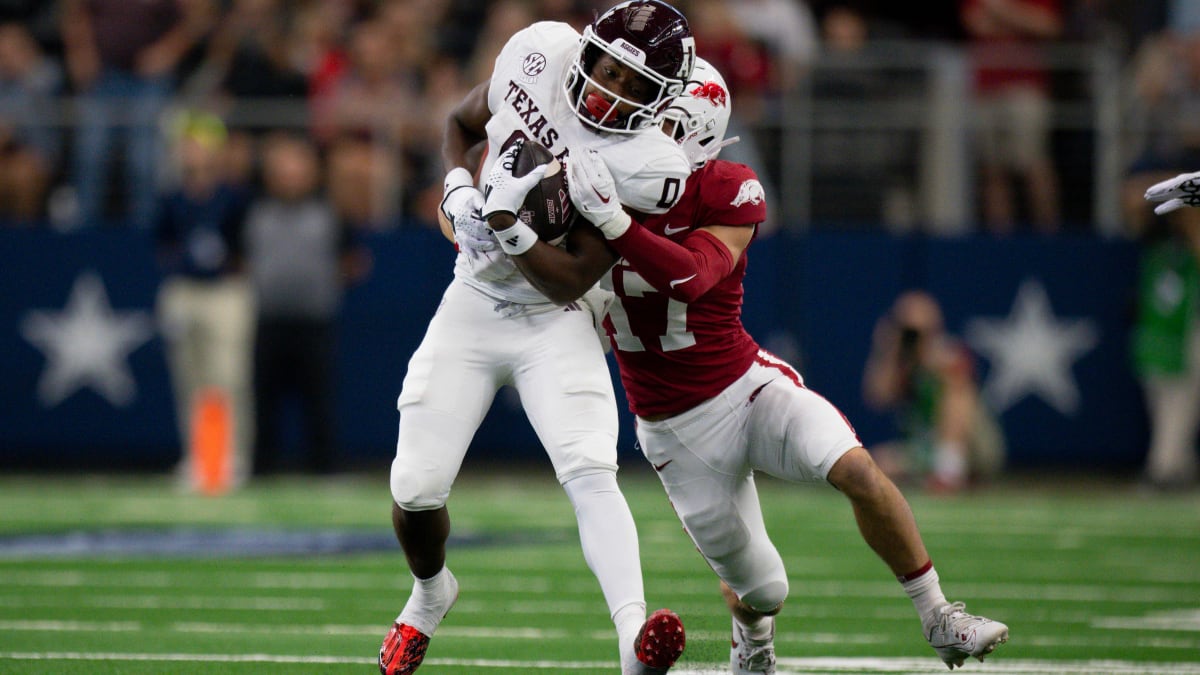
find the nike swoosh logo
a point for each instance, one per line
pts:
(668, 230)
(660, 467)
(676, 282)
(600, 196)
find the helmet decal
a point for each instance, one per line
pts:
(711, 91)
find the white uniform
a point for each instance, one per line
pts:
(488, 333)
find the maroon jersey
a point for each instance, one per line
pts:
(675, 355)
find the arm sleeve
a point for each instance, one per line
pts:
(683, 271)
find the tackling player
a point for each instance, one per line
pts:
(604, 91)
(712, 406)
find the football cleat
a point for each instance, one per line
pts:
(404, 647)
(955, 635)
(747, 656)
(403, 650)
(660, 642)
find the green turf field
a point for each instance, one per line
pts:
(1092, 577)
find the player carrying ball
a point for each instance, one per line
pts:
(604, 91)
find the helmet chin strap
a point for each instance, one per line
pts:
(713, 151)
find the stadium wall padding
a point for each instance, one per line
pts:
(811, 298)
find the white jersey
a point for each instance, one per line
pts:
(526, 100)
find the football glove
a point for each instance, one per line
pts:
(1175, 193)
(598, 300)
(462, 205)
(594, 193)
(483, 255)
(504, 191)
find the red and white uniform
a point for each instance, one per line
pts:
(712, 406)
(675, 355)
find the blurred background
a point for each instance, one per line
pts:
(990, 152)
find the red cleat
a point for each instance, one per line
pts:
(403, 650)
(660, 641)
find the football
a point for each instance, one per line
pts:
(547, 207)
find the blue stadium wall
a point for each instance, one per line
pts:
(1049, 317)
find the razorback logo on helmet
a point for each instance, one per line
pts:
(712, 92)
(749, 192)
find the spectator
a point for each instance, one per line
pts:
(30, 140)
(1166, 79)
(843, 159)
(121, 58)
(363, 123)
(316, 48)
(205, 305)
(248, 61)
(299, 257)
(1013, 108)
(927, 377)
(1166, 336)
(746, 40)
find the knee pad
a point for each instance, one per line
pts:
(768, 598)
(416, 488)
(740, 553)
(429, 452)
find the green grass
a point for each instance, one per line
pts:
(1091, 577)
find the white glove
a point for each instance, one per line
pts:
(594, 193)
(1175, 193)
(483, 255)
(462, 203)
(598, 300)
(504, 191)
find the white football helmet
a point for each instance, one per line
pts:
(653, 39)
(698, 118)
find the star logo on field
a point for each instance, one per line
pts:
(1031, 352)
(86, 345)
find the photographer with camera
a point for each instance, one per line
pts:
(927, 378)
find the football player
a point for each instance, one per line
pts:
(712, 406)
(604, 91)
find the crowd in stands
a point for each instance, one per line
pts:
(89, 89)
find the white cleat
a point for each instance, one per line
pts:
(746, 656)
(955, 635)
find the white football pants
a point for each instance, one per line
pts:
(551, 357)
(706, 458)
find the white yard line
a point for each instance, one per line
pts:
(809, 666)
(1137, 639)
(523, 585)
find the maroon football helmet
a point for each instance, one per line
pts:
(653, 39)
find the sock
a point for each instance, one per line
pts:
(427, 603)
(922, 585)
(760, 629)
(609, 539)
(629, 620)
